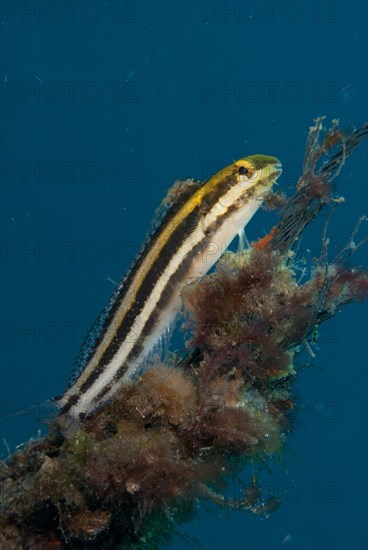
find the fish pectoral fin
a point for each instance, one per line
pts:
(243, 242)
(208, 219)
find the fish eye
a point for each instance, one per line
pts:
(243, 170)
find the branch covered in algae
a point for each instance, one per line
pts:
(183, 428)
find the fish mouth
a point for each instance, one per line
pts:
(275, 172)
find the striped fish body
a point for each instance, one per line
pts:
(195, 231)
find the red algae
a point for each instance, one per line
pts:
(136, 467)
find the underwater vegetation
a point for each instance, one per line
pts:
(136, 467)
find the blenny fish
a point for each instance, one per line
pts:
(200, 221)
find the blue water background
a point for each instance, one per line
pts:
(131, 96)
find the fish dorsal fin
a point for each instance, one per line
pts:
(181, 187)
(178, 193)
(90, 340)
(181, 190)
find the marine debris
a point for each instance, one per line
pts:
(136, 468)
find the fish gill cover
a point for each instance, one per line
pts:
(181, 431)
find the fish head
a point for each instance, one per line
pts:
(257, 173)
